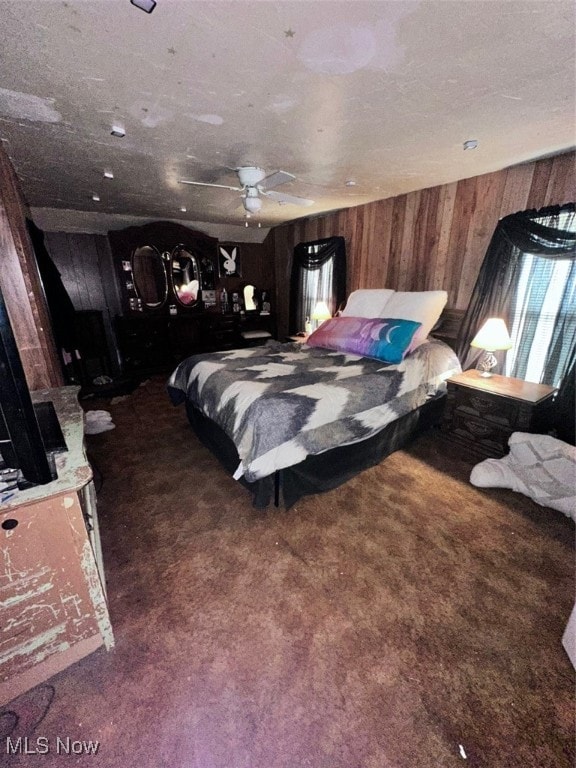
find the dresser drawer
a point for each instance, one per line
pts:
(499, 410)
(481, 436)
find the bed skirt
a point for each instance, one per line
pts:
(324, 471)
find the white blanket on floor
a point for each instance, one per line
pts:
(539, 466)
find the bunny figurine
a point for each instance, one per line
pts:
(229, 260)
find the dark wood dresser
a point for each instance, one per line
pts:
(481, 413)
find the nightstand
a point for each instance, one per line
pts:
(481, 413)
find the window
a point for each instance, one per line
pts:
(318, 274)
(543, 301)
(315, 285)
(528, 278)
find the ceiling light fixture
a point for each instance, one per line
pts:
(96, 198)
(118, 131)
(144, 5)
(470, 144)
(252, 204)
(183, 209)
(108, 175)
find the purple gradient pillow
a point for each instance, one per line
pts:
(382, 338)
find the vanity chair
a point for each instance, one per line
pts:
(253, 333)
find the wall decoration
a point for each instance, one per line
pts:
(209, 298)
(208, 280)
(229, 260)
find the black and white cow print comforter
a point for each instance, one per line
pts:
(279, 403)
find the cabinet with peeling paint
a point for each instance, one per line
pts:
(53, 608)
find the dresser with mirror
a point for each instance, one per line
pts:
(173, 296)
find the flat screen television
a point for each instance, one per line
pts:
(29, 433)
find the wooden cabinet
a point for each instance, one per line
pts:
(482, 413)
(158, 327)
(53, 608)
(155, 343)
(144, 343)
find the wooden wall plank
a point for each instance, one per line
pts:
(406, 272)
(517, 189)
(444, 217)
(398, 214)
(381, 242)
(463, 209)
(562, 180)
(539, 184)
(489, 190)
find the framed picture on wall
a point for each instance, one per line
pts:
(207, 273)
(229, 260)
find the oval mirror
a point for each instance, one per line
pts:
(185, 274)
(149, 276)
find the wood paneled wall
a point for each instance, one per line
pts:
(86, 267)
(87, 270)
(22, 289)
(431, 239)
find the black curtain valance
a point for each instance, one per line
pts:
(524, 231)
(314, 254)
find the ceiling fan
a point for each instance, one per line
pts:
(254, 184)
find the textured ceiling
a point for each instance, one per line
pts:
(379, 93)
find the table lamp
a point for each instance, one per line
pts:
(320, 313)
(492, 337)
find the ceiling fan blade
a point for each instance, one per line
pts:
(280, 197)
(275, 179)
(206, 184)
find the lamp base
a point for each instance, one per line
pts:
(487, 363)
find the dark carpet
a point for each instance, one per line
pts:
(404, 620)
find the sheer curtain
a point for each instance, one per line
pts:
(528, 278)
(318, 274)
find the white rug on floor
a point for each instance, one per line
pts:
(97, 421)
(539, 466)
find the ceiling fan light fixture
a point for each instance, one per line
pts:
(250, 175)
(252, 204)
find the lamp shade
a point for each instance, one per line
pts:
(492, 336)
(321, 311)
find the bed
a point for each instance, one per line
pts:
(288, 419)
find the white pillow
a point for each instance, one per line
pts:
(422, 306)
(367, 302)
